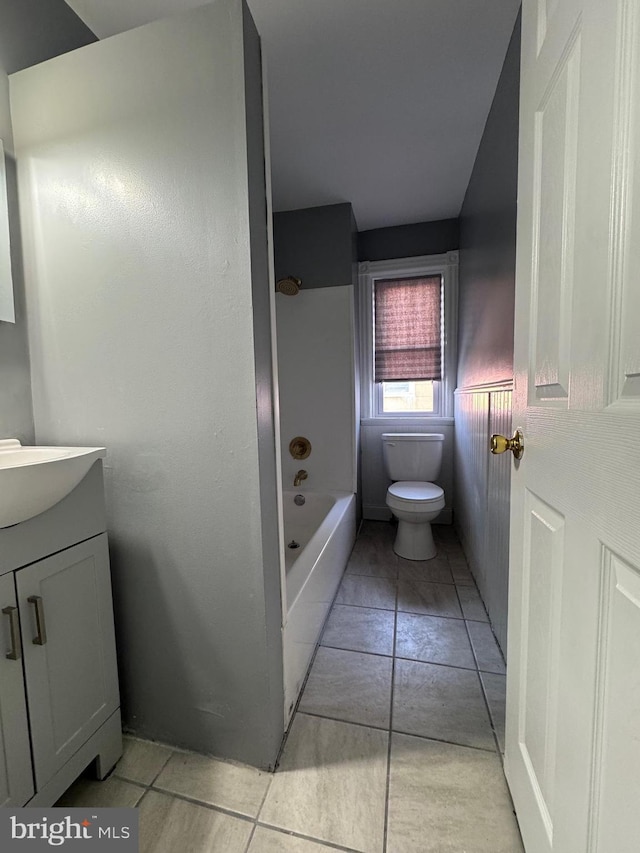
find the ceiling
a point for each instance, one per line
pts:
(378, 102)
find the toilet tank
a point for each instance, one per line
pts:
(412, 455)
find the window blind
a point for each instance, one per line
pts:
(408, 329)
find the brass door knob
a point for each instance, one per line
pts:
(499, 444)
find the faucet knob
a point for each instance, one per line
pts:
(300, 476)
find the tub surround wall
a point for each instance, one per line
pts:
(485, 333)
(316, 382)
(142, 194)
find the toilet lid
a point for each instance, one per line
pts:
(416, 491)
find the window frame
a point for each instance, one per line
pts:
(369, 272)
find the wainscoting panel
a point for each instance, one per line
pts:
(482, 495)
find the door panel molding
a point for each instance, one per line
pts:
(624, 354)
(541, 608)
(616, 751)
(554, 154)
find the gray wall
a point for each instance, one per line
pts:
(16, 415)
(485, 365)
(30, 32)
(408, 241)
(488, 239)
(165, 324)
(315, 245)
(262, 306)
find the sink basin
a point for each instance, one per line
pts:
(33, 479)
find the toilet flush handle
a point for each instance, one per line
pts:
(500, 444)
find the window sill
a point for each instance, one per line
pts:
(403, 420)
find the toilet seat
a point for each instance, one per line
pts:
(416, 495)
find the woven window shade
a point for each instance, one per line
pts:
(408, 329)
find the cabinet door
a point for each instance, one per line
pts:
(69, 651)
(16, 778)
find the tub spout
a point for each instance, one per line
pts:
(300, 476)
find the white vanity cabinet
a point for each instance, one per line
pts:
(59, 698)
(16, 779)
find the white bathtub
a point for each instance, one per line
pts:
(325, 528)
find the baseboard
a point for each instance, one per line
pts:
(383, 513)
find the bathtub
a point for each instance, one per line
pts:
(325, 529)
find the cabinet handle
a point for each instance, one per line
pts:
(14, 627)
(41, 639)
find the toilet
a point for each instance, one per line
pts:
(413, 460)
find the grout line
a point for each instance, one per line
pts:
(138, 804)
(485, 749)
(155, 778)
(342, 720)
(357, 651)
(210, 806)
(128, 781)
(385, 831)
(494, 728)
(267, 789)
(482, 690)
(250, 839)
(331, 844)
(404, 657)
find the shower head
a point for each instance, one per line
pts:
(290, 286)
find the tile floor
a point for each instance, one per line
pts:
(394, 748)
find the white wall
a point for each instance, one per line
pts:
(317, 385)
(375, 481)
(149, 332)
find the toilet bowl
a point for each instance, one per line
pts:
(412, 460)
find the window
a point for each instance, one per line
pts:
(407, 313)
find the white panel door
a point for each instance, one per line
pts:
(573, 707)
(69, 651)
(16, 778)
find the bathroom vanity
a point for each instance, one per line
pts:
(59, 697)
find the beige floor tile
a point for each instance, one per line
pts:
(460, 570)
(169, 825)
(272, 841)
(495, 686)
(441, 702)
(373, 558)
(486, 648)
(430, 599)
(142, 760)
(433, 639)
(349, 686)
(360, 629)
(110, 794)
(448, 799)
(219, 783)
(331, 784)
(425, 571)
(367, 592)
(383, 532)
(472, 606)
